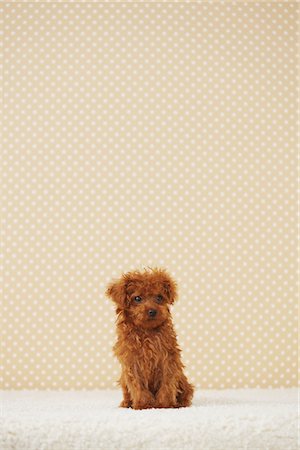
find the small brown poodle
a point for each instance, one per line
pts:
(152, 372)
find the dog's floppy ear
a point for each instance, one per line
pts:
(169, 285)
(170, 288)
(116, 290)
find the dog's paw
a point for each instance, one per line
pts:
(125, 404)
(147, 401)
(143, 405)
(165, 400)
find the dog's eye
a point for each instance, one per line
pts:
(138, 299)
(159, 298)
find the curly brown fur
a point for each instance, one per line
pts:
(152, 372)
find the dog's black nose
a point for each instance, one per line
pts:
(152, 312)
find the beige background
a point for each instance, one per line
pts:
(139, 134)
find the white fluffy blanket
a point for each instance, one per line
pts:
(90, 420)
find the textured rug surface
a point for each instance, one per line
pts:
(91, 420)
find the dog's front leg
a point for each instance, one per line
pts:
(166, 395)
(142, 398)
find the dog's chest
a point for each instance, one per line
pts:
(150, 346)
(152, 350)
(152, 354)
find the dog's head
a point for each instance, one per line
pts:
(144, 296)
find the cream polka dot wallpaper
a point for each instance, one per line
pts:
(149, 134)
